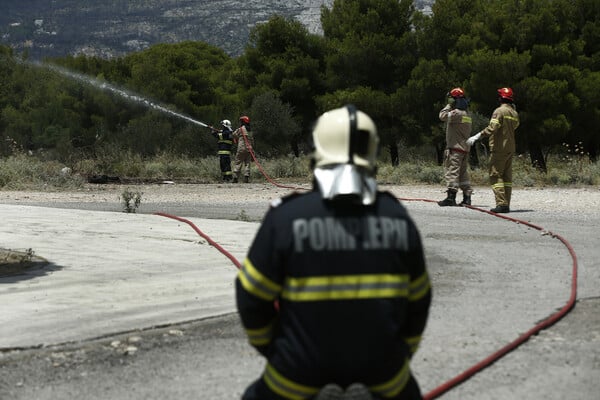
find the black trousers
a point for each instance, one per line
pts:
(225, 164)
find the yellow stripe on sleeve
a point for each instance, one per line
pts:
(256, 283)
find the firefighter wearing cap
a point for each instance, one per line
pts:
(244, 138)
(501, 132)
(224, 143)
(345, 265)
(458, 130)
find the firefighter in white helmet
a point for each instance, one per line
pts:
(224, 143)
(501, 133)
(345, 265)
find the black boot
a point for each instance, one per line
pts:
(450, 200)
(466, 201)
(246, 179)
(330, 392)
(357, 391)
(501, 209)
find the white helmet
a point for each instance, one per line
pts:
(346, 146)
(226, 123)
(346, 136)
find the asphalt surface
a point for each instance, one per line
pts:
(138, 306)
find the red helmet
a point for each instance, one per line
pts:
(457, 92)
(506, 93)
(244, 119)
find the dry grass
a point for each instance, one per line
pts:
(23, 172)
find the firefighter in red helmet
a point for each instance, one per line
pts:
(501, 133)
(245, 143)
(456, 93)
(458, 130)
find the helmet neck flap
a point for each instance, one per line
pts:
(346, 181)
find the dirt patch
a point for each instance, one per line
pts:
(14, 262)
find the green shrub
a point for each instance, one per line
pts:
(22, 171)
(391, 175)
(131, 200)
(430, 174)
(287, 167)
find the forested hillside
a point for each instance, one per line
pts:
(396, 69)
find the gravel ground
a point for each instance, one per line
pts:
(492, 281)
(228, 200)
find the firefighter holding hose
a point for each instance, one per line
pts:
(224, 143)
(245, 143)
(345, 266)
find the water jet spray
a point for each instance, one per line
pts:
(126, 95)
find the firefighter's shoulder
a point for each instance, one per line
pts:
(391, 198)
(389, 195)
(281, 200)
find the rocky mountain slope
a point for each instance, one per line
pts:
(55, 28)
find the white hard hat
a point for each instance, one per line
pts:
(346, 136)
(226, 123)
(346, 146)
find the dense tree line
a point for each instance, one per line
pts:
(382, 55)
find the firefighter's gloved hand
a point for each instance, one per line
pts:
(473, 139)
(451, 101)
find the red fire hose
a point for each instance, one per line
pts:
(465, 375)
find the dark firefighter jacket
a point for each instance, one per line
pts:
(224, 141)
(352, 289)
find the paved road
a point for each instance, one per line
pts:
(137, 306)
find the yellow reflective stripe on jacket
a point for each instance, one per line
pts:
(286, 387)
(224, 152)
(261, 336)
(395, 385)
(257, 283)
(413, 343)
(495, 122)
(516, 119)
(419, 287)
(345, 287)
(466, 119)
